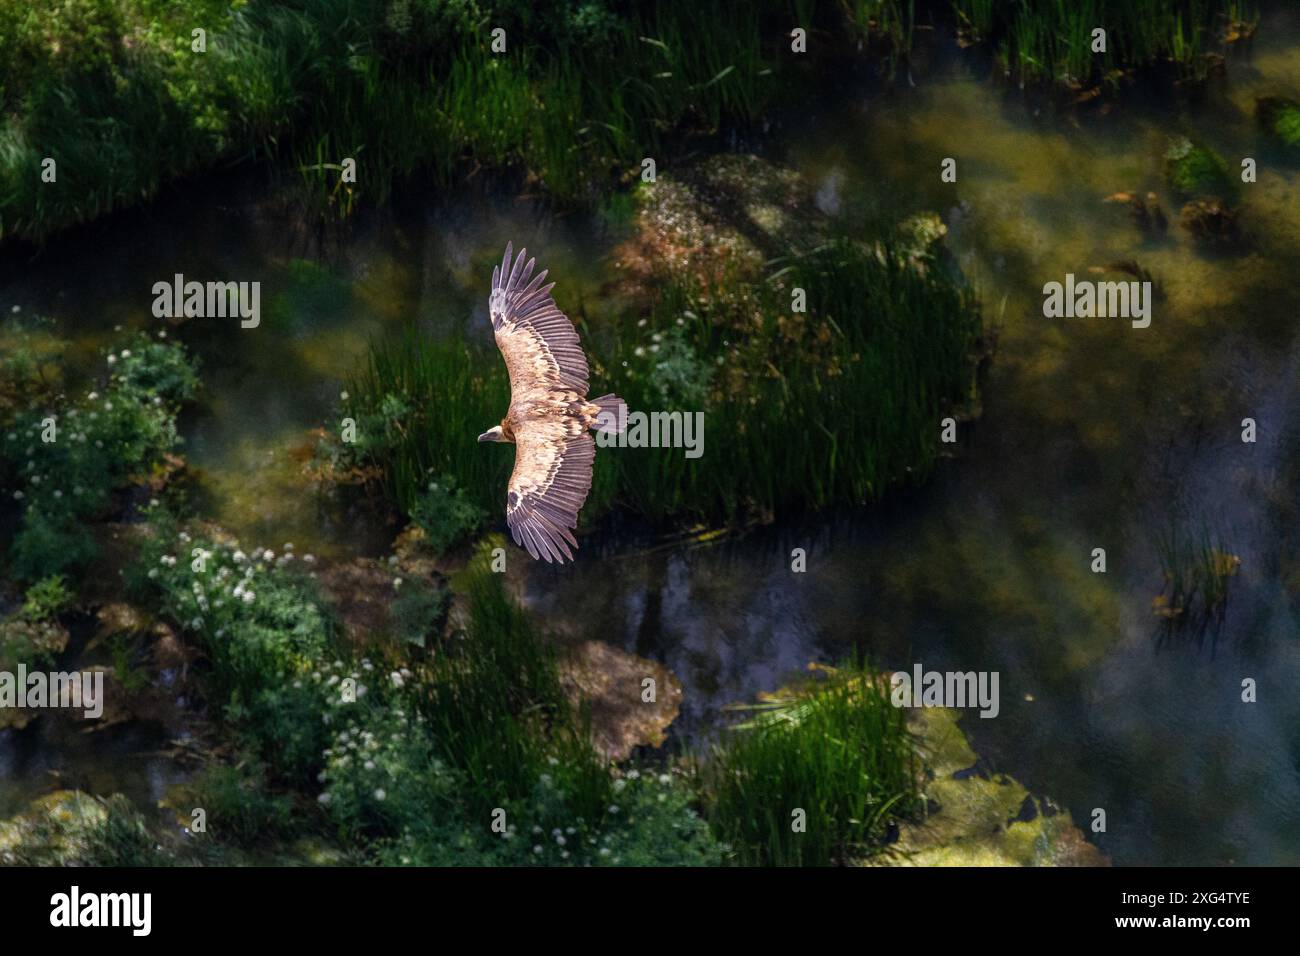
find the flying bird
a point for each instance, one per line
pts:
(549, 416)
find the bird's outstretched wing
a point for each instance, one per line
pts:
(552, 476)
(536, 339)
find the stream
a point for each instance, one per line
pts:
(1093, 434)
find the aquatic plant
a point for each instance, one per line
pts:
(889, 24)
(814, 775)
(47, 599)
(1198, 171)
(1280, 117)
(419, 404)
(1197, 569)
(1051, 41)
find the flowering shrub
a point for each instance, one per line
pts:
(649, 823)
(408, 766)
(379, 766)
(262, 627)
(61, 464)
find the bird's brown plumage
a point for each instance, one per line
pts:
(549, 413)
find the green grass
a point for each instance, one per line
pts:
(849, 407)
(497, 711)
(839, 751)
(420, 405)
(113, 92)
(1050, 41)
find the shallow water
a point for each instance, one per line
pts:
(1093, 435)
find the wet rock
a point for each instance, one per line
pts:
(71, 828)
(1146, 212)
(1280, 117)
(610, 680)
(416, 559)
(1210, 220)
(26, 641)
(114, 619)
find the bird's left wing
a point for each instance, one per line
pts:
(550, 482)
(536, 339)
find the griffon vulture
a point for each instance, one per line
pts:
(549, 415)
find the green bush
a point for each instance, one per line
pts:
(47, 599)
(264, 632)
(1050, 41)
(49, 544)
(418, 612)
(97, 445)
(240, 806)
(447, 515)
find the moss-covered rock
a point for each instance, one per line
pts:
(1280, 117)
(1198, 171)
(978, 818)
(71, 828)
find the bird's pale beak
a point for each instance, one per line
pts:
(487, 436)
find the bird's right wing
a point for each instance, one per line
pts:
(536, 339)
(550, 483)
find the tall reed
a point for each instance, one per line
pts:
(814, 778)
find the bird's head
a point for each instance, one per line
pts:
(492, 434)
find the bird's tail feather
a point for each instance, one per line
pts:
(612, 415)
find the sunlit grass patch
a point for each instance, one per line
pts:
(814, 776)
